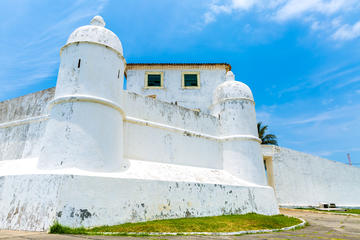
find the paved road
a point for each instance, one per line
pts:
(322, 226)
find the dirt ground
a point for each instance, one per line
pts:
(322, 226)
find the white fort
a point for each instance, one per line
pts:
(181, 141)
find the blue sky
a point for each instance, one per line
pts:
(300, 58)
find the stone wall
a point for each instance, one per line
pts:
(163, 132)
(153, 130)
(174, 169)
(22, 125)
(31, 105)
(301, 179)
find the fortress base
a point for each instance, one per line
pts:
(34, 201)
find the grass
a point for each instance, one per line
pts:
(226, 223)
(346, 210)
(354, 211)
(60, 229)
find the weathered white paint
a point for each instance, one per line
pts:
(86, 92)
(301, 179)
(96, 33)
(151, 121)
(232, 90)
(233, 103)
(31, 105)
(21, 141)
(109, 156)
(21, 127)
(145, 191)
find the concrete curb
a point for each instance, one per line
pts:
(302, 224)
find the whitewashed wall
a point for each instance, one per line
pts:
(153, 130)
(181, 175)
(166, 137)
(302, 179)
(169, 133)
(34, 200)
(21, 125)
(173, 92)
(31, 105)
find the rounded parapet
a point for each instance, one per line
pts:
(233, 105)
(96, 33)
(232, 90)
(85, 129)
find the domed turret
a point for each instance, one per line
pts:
(96, 33)
(234, 106)
(88, 94)
(231, 89)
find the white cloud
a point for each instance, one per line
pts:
(347, 32)
(315, 26)
(333, 114)
(320, 15)
(244, 4)
(220, 8)
(209, 17)
(335, 75)
(295, 8)
(348, 82)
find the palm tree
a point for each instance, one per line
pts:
(267, 139)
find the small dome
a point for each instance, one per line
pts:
(96, 32)
(231, 89)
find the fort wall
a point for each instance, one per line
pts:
(175, 169)
(153, 130)
(302, 179)
(22, 125)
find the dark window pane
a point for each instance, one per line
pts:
(154, 80)
(191, 80)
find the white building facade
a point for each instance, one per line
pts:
(109, 156)
(171, 85)
(181, 141)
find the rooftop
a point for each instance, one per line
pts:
(137, 66)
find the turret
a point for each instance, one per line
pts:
(85, 129)
(234, 105)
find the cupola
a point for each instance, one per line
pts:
(96, 33)
(231, 89)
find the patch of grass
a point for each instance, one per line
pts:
(60, 229)
(354, 211)
(226, 223)
(346, 210)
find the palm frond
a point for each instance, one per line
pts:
(270, 142)
(261, 129)
(267, 139)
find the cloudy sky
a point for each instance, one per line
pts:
(301, 58)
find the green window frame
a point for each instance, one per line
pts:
(191, 80)
(154, 80)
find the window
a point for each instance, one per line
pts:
(190, 80)
(154, 80)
